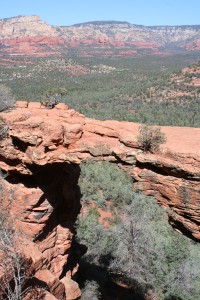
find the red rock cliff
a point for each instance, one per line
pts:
(29, 35)
(42, 154)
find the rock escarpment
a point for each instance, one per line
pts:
(29, 35)
(42, 154)
(138, 35)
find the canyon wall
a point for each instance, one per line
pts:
(42, 153)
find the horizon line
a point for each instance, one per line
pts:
(100, 21)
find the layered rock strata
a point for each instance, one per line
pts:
(42, 153)
(29, 35)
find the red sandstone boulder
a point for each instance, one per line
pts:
(54, 285)
(72, 289)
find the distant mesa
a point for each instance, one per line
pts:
(101, 23)
(90, 38)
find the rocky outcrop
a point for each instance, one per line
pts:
(28, 35)
(115, 38)
(42, 154)
(154, 36)
(32, 46)
(25, 26)
(193, 46)
(174, 182)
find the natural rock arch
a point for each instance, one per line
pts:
(42, 154)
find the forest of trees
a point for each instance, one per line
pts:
(137, 89)
(138, 246)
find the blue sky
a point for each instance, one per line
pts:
(144, 12)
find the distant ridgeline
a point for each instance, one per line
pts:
(56, 40)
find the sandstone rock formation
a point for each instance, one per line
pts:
(33, 46)
(154, 36)
(25, 26)
(42, 154)
(28, 35)
(116, 38)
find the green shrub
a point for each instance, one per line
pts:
(6, 98)
(85, 225)
(150, 138)
(102, 182)
(90, 291)
(53, 95)
(3, 129)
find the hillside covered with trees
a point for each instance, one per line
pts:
(146, 89)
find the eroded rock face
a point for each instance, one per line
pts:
(42, 154)
(25, 26)
(174, 182)
(29, 35)
(33, 46)
(45, 205)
